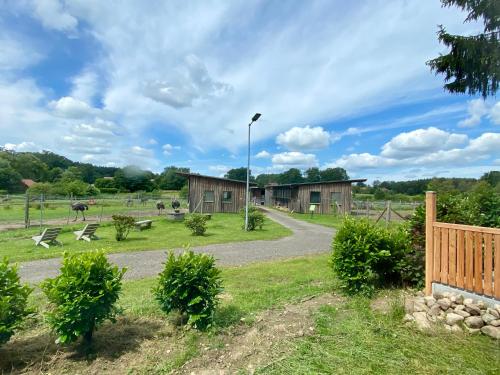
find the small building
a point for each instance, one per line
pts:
(326, 196)
(27, 183)
(208, 194)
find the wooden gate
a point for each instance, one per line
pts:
(462, 256)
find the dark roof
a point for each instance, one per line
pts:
(318, 183)
(212, 178)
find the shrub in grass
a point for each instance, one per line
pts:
(13, 301)
(83, 296)
(366, 256)
(190, 284)
(255, 218)
(197, 223)
(122, 224)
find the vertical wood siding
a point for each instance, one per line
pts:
(199, 184)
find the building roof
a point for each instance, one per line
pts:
(317, 183)
(212, 178)
(28, 182)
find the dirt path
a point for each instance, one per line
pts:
(306, 239)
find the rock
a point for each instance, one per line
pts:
(487, 318)
(457, 298)
(447, 294)
(493, 312)
(408, 318)
(474, 322)
(453, 328)
(497, 308)
(491, 331)
(473, 309)
(452, 319)
(468, 301)
(463, 313)
(495, 323)
(409, 305)
(437, 295)
(429, 301)
(445, 303)
(473, 331)
(419, 305)
(481, 305)
(434, 310)
(459, 308)
(420, 293)
(421, 321)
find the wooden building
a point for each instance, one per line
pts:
(326, 196)
(207, 194)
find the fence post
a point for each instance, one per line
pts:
(27, 210)
(430, 218)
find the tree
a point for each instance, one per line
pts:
(132, 178)
(170, 180)
(29, 166)
(10, 180)
(473, 63)
(292, 176)
(492, 177)
(265, 179)
(313, 175)
(334, 174)
(239, 174)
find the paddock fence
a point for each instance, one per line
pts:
(461, 256)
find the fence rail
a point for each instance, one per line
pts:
(462, 256)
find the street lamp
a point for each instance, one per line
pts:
(254, 118)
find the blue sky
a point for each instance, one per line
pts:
(161, 83)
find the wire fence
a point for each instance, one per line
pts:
(384, 210)
(18, 211)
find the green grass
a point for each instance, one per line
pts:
(18, 246)
(332, 221)
(349, 337)
(352, 339)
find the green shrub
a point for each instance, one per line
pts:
(197, 223)
(83, 296)
(190, 284)
(122, 224)
(108, 190)
(7, 207)
(255, 218)
(13, 301)
(366, 256)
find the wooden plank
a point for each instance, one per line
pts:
(488, 264)
(478, 262)
(430, 218)
(496, 285)
(444, 255)
(452, 259)
(437, 255)
(460, 258)
(470, 228)
(469, 260)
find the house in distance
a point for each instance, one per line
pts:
(210, 194)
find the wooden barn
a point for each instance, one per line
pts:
(327, 196)
(207, 194)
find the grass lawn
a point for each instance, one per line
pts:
(18, 246)
(349, 337)
(326, 220)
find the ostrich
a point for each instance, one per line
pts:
(176, 205)
(78, 206)
(160, 206)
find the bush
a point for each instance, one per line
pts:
(183, 193)
(109, 190)
(122, 224)
(197, 223)
(83, 296)
(190, 284)
(366, 256)
(255, 218)
(13, 301)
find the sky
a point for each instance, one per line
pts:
(160, 83)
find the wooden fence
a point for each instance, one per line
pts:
(462, 256)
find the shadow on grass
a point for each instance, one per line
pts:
(40, 352)
(228, 315)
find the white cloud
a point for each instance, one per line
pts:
(16, 54)
(295, 159)
(495, 113)
(219, 169)
(263, 155)
(141, 151)
(168, 149)
(20, 147)
(477, 109)
(306, 138)
(70, 107)
(421, 141)
(53, 15)
(85, 86)
(152, 141)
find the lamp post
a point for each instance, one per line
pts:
(254, 118)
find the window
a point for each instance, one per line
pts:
(208, 196)
(315, 197)
(227, 196)
(336, 198)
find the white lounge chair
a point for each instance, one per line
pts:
(88, 233)
(48, 236)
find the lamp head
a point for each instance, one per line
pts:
(256, 117)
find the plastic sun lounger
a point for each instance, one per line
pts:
(48, 237)
(88, 233)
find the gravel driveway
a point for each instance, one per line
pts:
(306, 239)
